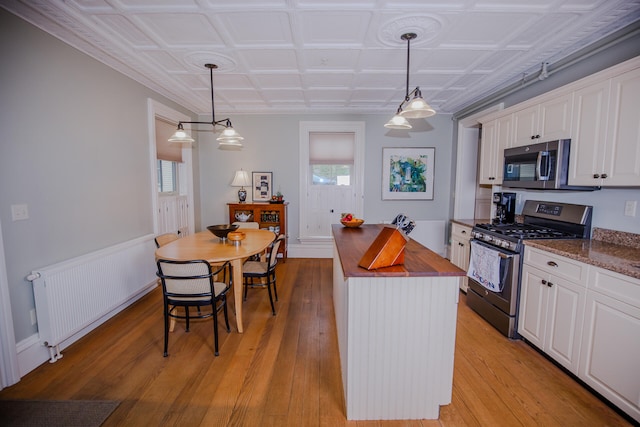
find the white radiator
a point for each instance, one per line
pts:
(75, 296)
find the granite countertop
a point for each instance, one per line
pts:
(622, 259)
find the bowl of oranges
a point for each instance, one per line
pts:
(348, 220)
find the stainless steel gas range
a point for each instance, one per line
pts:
(496, 257)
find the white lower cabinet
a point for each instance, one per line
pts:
(610, 359)
(461, 250)
(588, 320)
(551, 314)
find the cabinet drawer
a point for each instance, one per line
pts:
(463, 232)
(559, 266)
(617, 286)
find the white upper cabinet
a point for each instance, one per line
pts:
(546, 121)
(622, 156)
(496, 136)
(606, 132)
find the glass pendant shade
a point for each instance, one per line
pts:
(417, 109)
(181, 136)
(229, 134)
(398, 122)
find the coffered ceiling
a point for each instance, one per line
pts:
(285, 56)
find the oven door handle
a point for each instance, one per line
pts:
(506, 265)
(502, 254)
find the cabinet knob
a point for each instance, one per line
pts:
(551, 264)
(549, 284)
(533, 137)
(463, 232)
(595, 175)
(537, 136)
(544, 282)
(604, 175)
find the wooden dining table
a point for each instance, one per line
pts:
(205, 246)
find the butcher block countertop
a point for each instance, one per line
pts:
(352, 243)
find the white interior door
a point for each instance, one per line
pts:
(321, 203)
(177, 212)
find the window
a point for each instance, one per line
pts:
(167, 176)
(331, 157)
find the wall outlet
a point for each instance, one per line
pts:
(630, 207)
(19, 212)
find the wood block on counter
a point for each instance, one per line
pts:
(386, 250)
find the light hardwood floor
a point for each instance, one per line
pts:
(284, 370)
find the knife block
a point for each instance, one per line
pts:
(386, 250)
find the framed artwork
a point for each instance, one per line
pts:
(407, 173)
(262, 185)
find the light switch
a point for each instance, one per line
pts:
(630, 207)
(19, 212)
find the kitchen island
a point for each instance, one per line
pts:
(396, 329)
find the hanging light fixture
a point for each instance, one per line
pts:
(414, 108)
(229, 139)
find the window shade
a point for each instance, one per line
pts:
(328, 148)
(164, 149)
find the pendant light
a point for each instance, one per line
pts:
(229, 138)
(414, 108)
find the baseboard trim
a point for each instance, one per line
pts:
(311, 250)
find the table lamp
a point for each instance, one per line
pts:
(241, 179)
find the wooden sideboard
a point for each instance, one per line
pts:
(266, 215)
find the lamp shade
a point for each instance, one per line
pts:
(397, 122)
(181, 136)
(241, 179)
(229, 134)
(417, 109)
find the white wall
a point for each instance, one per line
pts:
(74, 148)
(271, 144)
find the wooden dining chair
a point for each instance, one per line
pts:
(165, 238)
(263, 273)
(161, 240)
(249, 224)
(192, 284)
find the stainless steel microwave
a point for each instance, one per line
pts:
(542, 166)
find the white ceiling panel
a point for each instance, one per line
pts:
(486, 29)
(178, 30)
(258, 28)
(269, 59)
(327, 55)
(333, 28)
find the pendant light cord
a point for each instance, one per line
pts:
(406, 95)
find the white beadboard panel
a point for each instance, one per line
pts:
(397, 339)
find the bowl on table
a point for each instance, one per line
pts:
(355, 222)
(222, 230)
